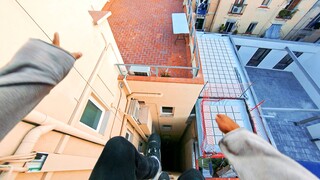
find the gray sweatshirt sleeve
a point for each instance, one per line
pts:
(34, 70)
(254, 158)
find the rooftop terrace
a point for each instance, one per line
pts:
(272, 99)
(143, 31)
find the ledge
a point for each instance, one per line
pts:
(197, 80)
(263, 7)
(99, 16)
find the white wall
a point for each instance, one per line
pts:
(312, 66)
(272, 59)
(246, 53)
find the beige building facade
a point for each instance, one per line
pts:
(252, 18)
(307, 29)
(70, 126)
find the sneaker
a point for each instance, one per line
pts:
(164, 176)
(154, 145)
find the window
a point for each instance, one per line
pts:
(258, 56)
(167, 111)
(286, 61)
(94, 116)
(199, 24)
(166, 127)
(251, 27)
(128, 135)
(140, 147)
(315, 23)
(239, 1)
(265, 2)
(292, 4)
(229, 26)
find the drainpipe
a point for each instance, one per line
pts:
(26, 147)
(47, 124)
(126, 84)
(42, 119)
(214, 15)
(30, 140)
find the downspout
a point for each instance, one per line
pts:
(42, 119)
(124, 120)
(30, 140)
(126, 84)
(26, 147)
(47, 124)
(214, 16)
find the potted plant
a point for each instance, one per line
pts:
(235, 32)
(222, 28)
(286, 14)
(165, 74)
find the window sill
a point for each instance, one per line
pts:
(166, 115)
(282, 19)
(263, 7)
(232, 14)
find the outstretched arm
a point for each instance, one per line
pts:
(253, 157)
(34, 70)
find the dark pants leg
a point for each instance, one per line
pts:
(120, 160)
(191, 174)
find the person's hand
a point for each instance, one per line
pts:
(225, 123)
(56, 42)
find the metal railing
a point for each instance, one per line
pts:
(159, 71)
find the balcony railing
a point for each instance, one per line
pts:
(157, 70)
(237, 9)
(286, 14)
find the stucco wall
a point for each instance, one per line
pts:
(181, 96)
(93, 76)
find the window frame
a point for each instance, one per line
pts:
(166, 114)
(254, 24)
(286, 61)
(313, 22)
(232, 27)
(100, 107)
(130, 137)
(265, 4)
(239, 1)
(258, 57)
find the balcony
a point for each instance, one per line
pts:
(237, 9)
(157, 70)
(286, 14)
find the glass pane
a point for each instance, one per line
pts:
(91, 115)
(167, 109)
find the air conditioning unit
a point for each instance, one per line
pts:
(139, 70)
(145, 120)
(134, 109)
(236, 9)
